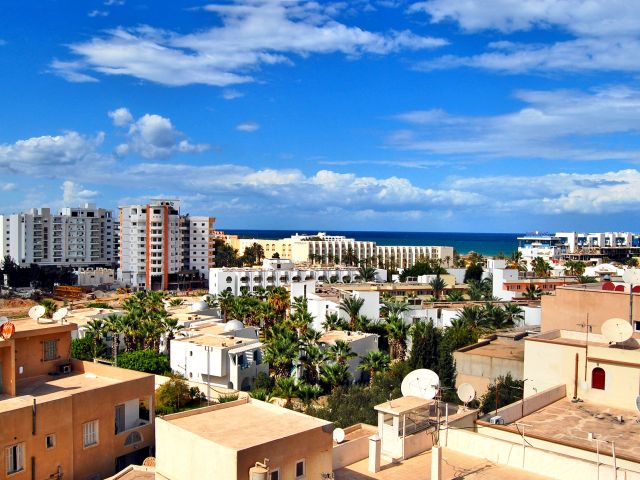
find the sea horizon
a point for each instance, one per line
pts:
(489, 244)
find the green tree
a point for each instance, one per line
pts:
(514, 312)
(541, 267)
(367, 274)
(174, 394)
(473, 272)
(335, 374)
(333, 322)
(438, 285)
(286, 389)
(397, 331)
(532, 292)
(149, 361)
(49, 307)
(455, 296)
(95, 330)
(374, 362)
(473, 317)
(425, 344)
(574, 267)
(504, 391)
(226, 255)
(340, 352)
(351, 306)
(82, 348)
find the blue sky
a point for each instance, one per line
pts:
(439, 115)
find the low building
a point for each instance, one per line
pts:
(66, 418)
(277, 273)
(361, 343)
(225, 441)
(216, 355)
(481, 363)
(95, 277)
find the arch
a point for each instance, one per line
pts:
(133, 438)
(608, 286)
(636, 289)
(619, 288)
(598, 378)
(228, 279)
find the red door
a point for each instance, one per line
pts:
(597, 378)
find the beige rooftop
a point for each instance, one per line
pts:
(218, 341)
(333, 335)
(402, 405)
(245, 423)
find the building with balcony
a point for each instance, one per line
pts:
(63, 418)
(198, 244)
(74, 237)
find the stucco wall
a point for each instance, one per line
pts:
(30, 352)
(481, 370)
(352, 451)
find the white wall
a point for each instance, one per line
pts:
(532, 315)
(501, 275)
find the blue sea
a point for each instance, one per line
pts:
(484, 243)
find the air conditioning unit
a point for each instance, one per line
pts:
(66, 368)
(497, 420)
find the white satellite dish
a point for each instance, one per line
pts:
(617, 330)
(36, 312)
(338, 435)
(631, 276)
(466, 393)
(422, 383)
(60, 314)
(3, 320)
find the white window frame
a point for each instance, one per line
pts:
(90, 431)
(271, 472)
(304, 469)
(16, 458)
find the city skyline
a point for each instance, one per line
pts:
(367, 115)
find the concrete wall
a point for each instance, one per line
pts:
(570, 307)
(352, 451)
(515, 411)
(511, 452)
(532, 315)
(29, 354)
(481, 370)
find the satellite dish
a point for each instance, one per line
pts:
(3, 320)
(631, 276)
(60, 314)
(617, 330)
(7, 330)
(466, 393)
(36, 312)
(338, 435)
(422, 383)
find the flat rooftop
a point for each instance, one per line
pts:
(504, 348)
(455, 465)
(580, 339)
(569, 422)
(83, 315)
(219, 341)
(402, 405)
(332, 335)
(26, 326)
(245, 423)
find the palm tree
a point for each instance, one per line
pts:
(286, 388)
(392, 307)
(495, 316)
(113, 324)
(176, 302)
(541, 267)
(340, 352)
(472, 316)
(307, 392)
(514, 313)
(367, 274)
(280, 351)
(312, 359)
(333, 322)
(455, 296)
(95, 328)
(279, 300)
(49, 307)
(586, 279)
(374, 362)
(438, 285)
(532, 292)
(225, 299)
(574, 267)
(351, 306)
(516, 262)
(335, 374)
(171, 327)
(397, 331)
(212, 301)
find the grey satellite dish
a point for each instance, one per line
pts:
(422, 383)
(3, 320)
(338, 435)
(617, 330)
(466, 393)
(36, 312)
(631, 276)
(59, 315)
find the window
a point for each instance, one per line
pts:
(15, 458)
(636, 325)
(300, 469)
(598, 378)
(50, 441)
(132, 439)
(274, 474)
(90, 433)
(50, 350)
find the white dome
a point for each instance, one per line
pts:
(233, 325)
(199, 306)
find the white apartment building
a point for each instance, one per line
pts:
(76, 237)
(277, 273)
(150, 244)
(198, 244)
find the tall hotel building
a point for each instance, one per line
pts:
(76, 237)
(158, 246)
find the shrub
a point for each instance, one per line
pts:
(148, 361)
(82, 348)
(99, 305)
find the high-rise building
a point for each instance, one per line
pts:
(198, 244)
(77, 237)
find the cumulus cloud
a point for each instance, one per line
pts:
(247, 127)
(557, 124)
(152, 136)
(252, 33)
(74, 194)
(7, 187)
(41, 155)
(606, 34)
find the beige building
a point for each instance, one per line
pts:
(63, 418)
(225, 441)
(481, 363)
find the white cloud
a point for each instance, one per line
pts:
(253, 33)
(43, 155)
(110, 3)
(606, 34)
(231, 94)
(247, 127)
(152, 136)
(121, 116)
(75, 195)
(7, 187)
(560, 124)
(70, 71)
(98, 13)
